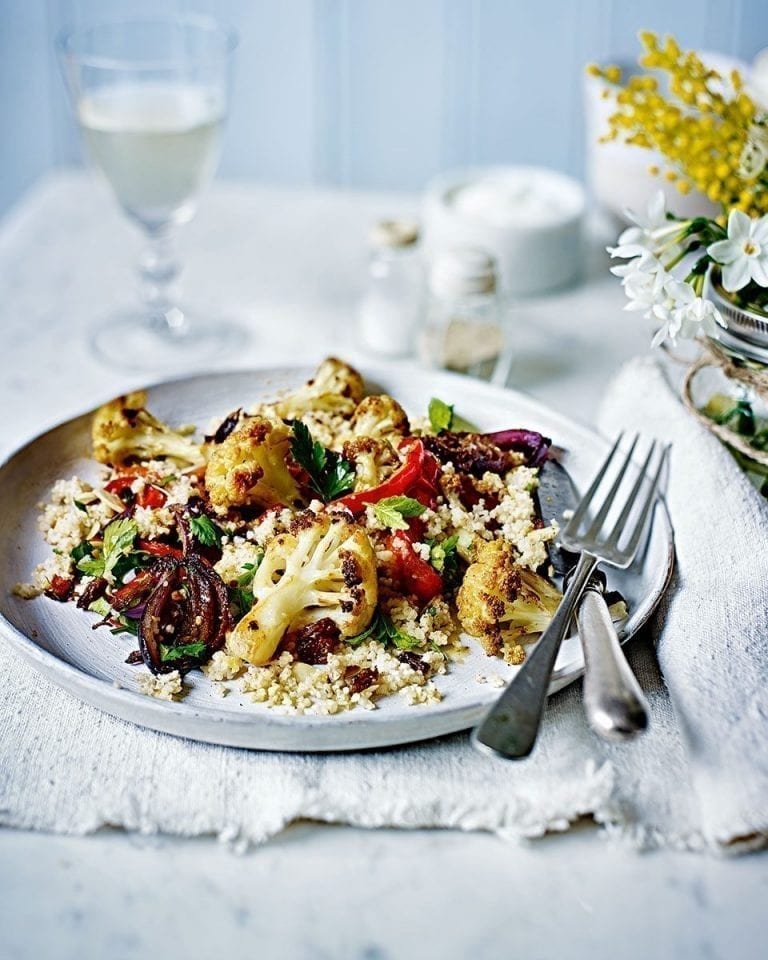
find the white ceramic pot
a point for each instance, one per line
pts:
(529, 218)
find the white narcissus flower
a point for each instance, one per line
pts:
(643, 280)
(648, 232)
(684, 315)
(744, 255)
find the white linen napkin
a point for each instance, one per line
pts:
(712, 628)
(697, 779)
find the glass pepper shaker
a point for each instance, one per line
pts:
(463, 327)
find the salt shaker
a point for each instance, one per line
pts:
(391, 308)
(463, 327)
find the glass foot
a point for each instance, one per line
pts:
(133, 341)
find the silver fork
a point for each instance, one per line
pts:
(510, 727)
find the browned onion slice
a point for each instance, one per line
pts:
(199, 614)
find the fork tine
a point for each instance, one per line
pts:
(611, 495)
(631, 548)
(578, 514)
(628, 506)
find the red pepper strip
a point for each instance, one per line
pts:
(134, 592)
(159, 549)
(60, 588)
(416, 477)
(149, 496)
(416, 529)
(415, 575)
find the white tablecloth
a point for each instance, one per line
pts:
(64, 257)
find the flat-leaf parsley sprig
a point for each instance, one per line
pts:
(394, 512)
(330, 475)
(385, 632)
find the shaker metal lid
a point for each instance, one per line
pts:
(394, 233)
(461, 272)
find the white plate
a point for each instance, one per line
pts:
(57, 639)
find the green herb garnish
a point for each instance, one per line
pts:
(168, 653)
(241, 594)
(330, 475)
(205, 531)
(118, 540)
(392, 511)
(126, 625)
(385, 632)
(122, 624)
(444, 558)
(80, 506)
(443, 417)
(82, 550)
(164, 481)
(440, 415)
(101, 607)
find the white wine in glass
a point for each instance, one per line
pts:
(151, 97)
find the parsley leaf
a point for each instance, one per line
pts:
(126, 625)
(385, 632)
(168, 654)
(101, 607)
(440, 415)
(205, 531)
(241, 594)
(91, 567)
(118, 540)
(340, 477)
(392, 511)
(330, 475)
(83, 549)
(165, 481)
(445, 559)
(403, 641)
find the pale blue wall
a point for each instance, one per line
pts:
(373, 93)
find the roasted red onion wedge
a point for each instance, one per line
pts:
(186, 617)
(534, 446)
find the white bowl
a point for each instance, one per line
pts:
(529, 218)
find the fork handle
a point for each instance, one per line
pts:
(613, 701)
(510, 727)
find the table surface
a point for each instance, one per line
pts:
(290, 265)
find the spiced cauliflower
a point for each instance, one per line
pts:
(124, 429)
(374, 460)
(324, 568)
(336, 388)
(250, 467)
(380, 416)
(501, 603)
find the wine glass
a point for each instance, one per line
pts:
(150, 96)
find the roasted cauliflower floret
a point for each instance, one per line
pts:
(249, 468)
(123, 429)
(374, 461)
(323, 568)
(381, 417)
(502, 604)
(335, 388)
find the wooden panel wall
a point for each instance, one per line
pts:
(374, 93)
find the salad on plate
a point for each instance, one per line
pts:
(317, 552)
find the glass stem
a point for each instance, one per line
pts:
(158, 272)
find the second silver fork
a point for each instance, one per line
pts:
(510, 728)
